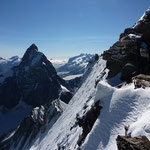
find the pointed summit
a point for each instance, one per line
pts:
(30, 53)
(33, 47)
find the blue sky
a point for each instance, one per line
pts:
(64, 28)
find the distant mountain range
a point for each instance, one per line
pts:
(75, 66)
(68, 69)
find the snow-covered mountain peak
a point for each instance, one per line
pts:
(34, 82)
(80, 58)
(35, 73)
(32, 50)
(32, 56)
(76, 65)
(32, 47)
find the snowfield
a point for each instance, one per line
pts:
(124, 106)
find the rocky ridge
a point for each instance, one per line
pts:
(130, 55)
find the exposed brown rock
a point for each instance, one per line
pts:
(87, 121)
(133, 143)
(142, 77)
(141, 80)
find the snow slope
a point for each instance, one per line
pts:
(125, 106)
(60, 134)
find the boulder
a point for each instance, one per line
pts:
(141, 80)
(133, 143)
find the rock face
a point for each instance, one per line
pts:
(133, 143)
(132, 52)
(34, 81)
(87, 122)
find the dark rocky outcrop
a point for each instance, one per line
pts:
(87, 121)
(128, 71)
(34, 81)
(130, 55)
(133, 143)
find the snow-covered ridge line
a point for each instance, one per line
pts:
(125, 106)
(61, 135)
